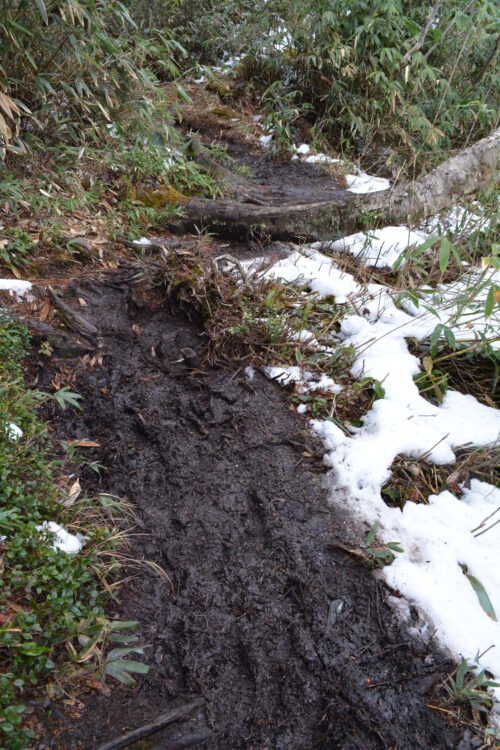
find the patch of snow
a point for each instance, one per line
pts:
(454, 305)
(63, 540)
(321, 159)
(456, 219)
(265, 140)
(365, 183)
(250, 373)
(305, 380)
(112, 130)
(437, 538)
(14, 433)
(303, 149)
(143, 242)
(301, 408)
(380, 248)
(20, 289)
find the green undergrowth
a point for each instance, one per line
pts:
(369, 80)
(52, 623)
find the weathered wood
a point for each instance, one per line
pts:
(311, 221)
(471, 170)
(61, 343)
(176, 713)
(74, 319)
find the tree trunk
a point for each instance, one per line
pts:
(472, 169)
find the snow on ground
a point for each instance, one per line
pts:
(14, 433)
(19, 288)
(439, 538)
(379, 248)
(304, 379)
(365, 183)
(63, 540)
(463, 312)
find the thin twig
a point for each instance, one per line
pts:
(179, 712)
(421, 39)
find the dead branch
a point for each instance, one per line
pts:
(179, 712)
(74, 319)
(235, 262)
(421, 38)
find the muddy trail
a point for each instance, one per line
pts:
(287, 641)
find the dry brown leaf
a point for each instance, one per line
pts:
(44, 311)
(84, 443)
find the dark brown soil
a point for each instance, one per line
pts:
(234, 511)
(287, 181)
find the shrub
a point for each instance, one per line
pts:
(66, 65)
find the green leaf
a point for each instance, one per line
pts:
(123, 638)
(435, 336)
(120, 669)
(119, 653)
(124, 625)
(484, 599)
(43, 11)
(64, 397)
(492, 299)
(182, 93)
(138, 667)
(371, 534)
(490, 303)
(119, 674)
(450, 337)
(444, 254)
(491, 261)
(395, 547)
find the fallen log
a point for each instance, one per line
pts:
(472, 169)
(308, 221)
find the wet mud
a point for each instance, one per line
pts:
(289, 640)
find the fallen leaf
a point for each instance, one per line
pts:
(83, 443)
(74, 492)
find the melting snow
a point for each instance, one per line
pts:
(442, 536)
(13, 432)
(380, 248)
(365, 183)
(20, 288)
(63, 540)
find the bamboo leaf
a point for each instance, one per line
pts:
(371, 534)
(444, 254)
(43, 11)
(484, 599)
(119, 653)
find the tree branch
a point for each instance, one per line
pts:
(421, 39)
